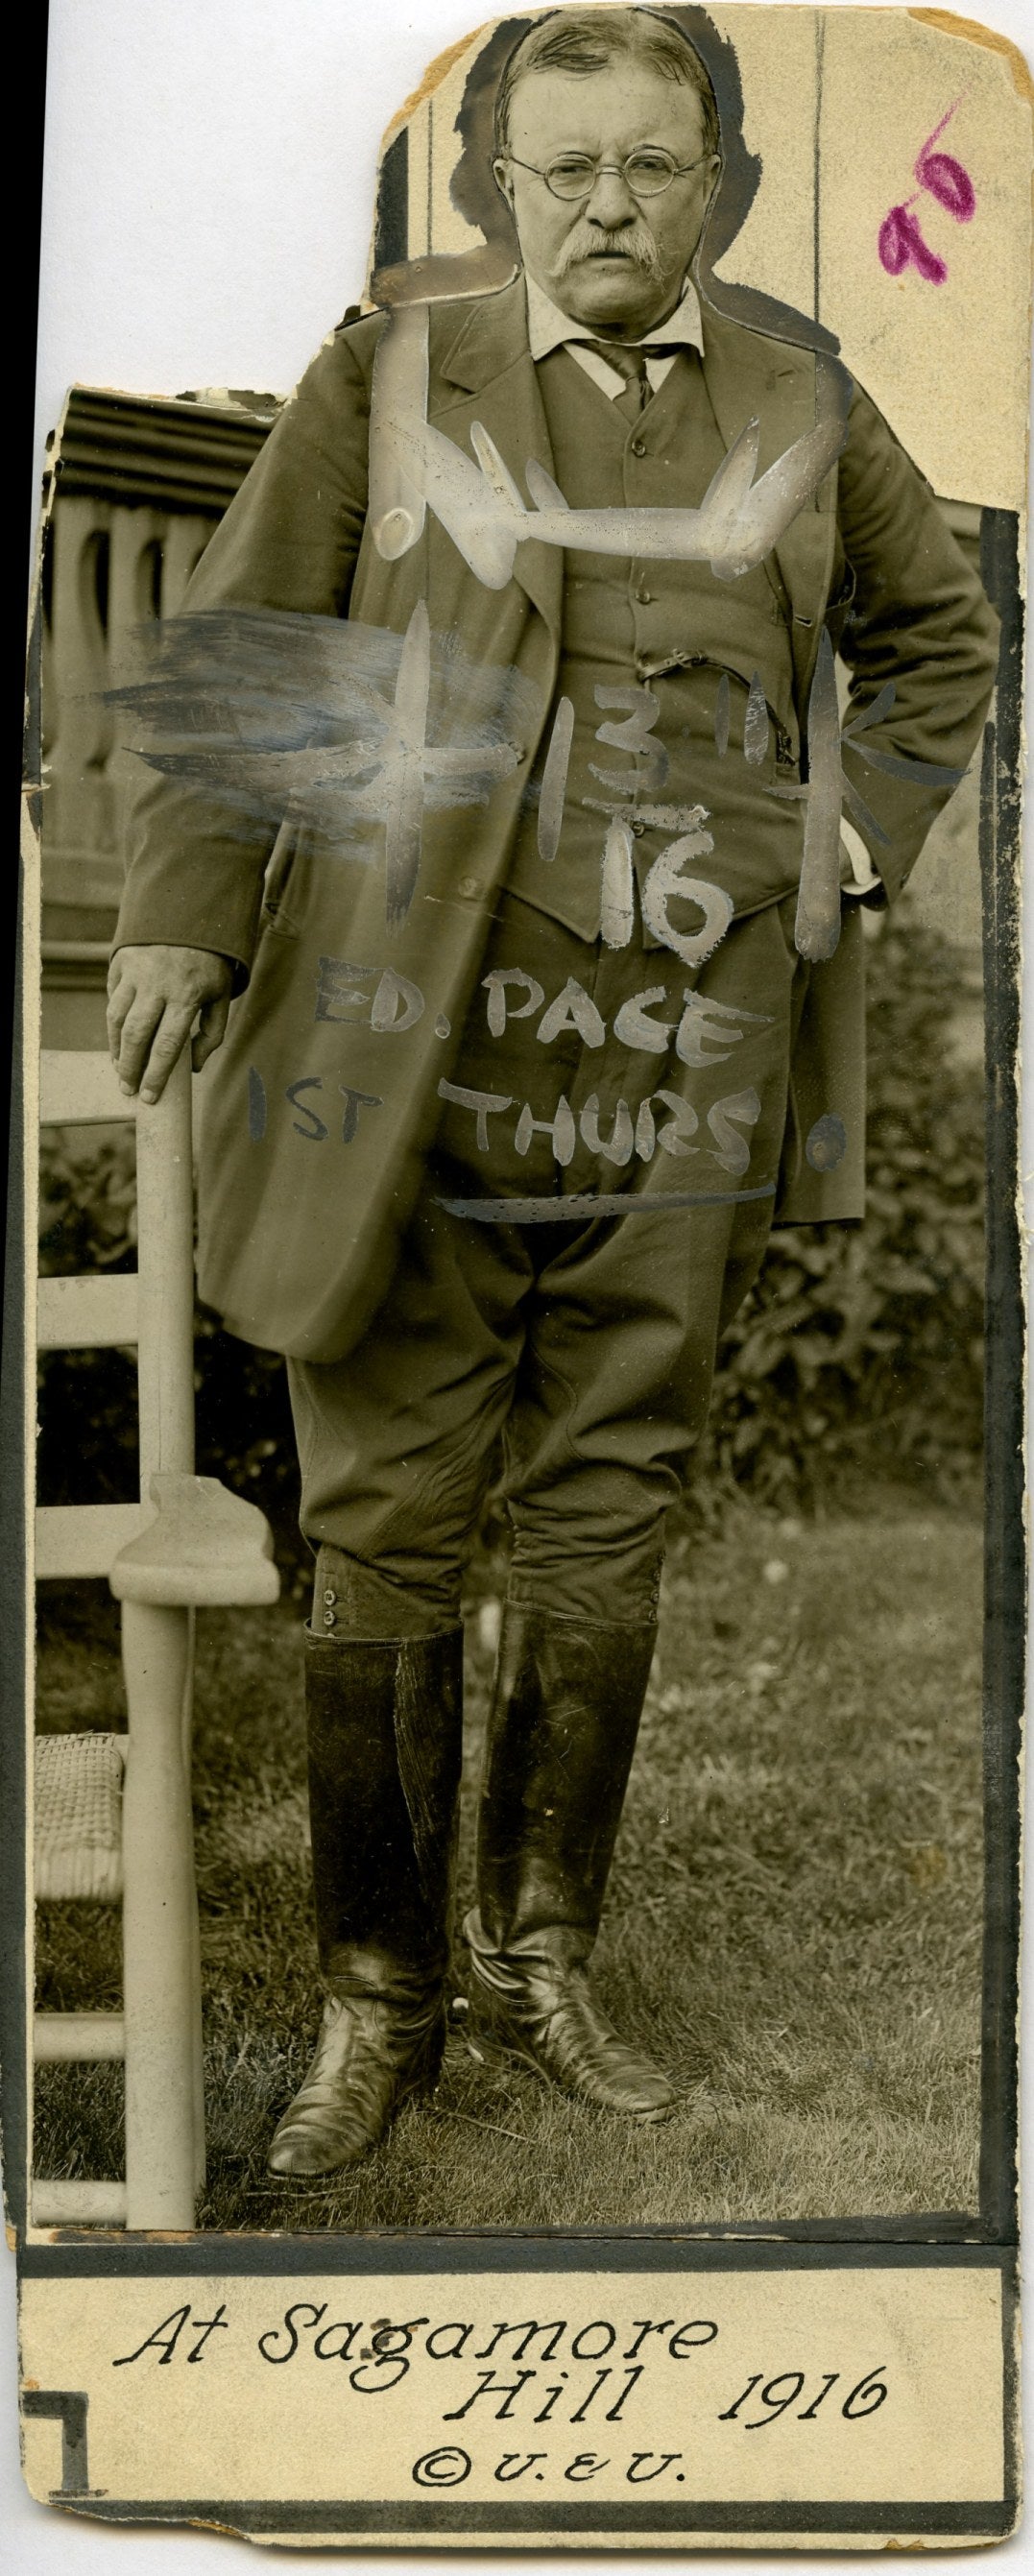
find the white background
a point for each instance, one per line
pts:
(208, 195)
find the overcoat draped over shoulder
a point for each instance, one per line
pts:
(296, 1243)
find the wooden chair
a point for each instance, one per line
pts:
(113, 1813)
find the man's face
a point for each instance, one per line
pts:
(612, 260)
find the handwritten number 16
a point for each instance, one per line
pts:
(782, 2392)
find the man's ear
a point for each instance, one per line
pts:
(713, 177)
(503, 181)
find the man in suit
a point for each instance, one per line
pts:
(577, 1079)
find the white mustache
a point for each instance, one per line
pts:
(633, 242)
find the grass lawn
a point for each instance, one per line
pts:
(793, 1919)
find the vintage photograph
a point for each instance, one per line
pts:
(527, 839)
(518, 1729)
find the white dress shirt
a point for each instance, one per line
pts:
(549, 328)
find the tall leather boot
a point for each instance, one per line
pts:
(561, 1735)
(385, 1750)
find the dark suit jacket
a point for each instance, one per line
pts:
(296, 1249)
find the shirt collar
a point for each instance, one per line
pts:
(549, 328)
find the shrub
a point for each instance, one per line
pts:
(858, 1346)
(865, 1344)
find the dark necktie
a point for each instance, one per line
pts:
(631, 364)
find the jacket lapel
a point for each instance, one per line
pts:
(748, 375)
(484, 371)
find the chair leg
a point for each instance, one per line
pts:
(160, 1975)
(199, 2050)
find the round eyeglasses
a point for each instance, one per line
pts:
(647, 172)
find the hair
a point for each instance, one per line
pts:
(586, 40)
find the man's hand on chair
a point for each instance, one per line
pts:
(155, 995)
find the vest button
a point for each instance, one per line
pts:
(469, 885)
(645, 598)
(639, 447)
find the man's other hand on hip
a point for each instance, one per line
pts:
(155, 995)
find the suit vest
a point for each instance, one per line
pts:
(690, 678)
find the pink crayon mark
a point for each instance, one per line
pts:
(901, 242)
(944, 177)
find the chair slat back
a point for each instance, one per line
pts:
(89, 1313)
(153, 1306)
(74, 1540)
(80, 1089)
